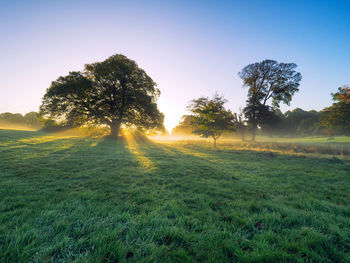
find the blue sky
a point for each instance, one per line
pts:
(189, 48)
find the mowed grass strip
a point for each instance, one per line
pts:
(73, 199)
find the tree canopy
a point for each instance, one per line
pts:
(267, 81)
(337, 116)
(209, 118)
(113, 92)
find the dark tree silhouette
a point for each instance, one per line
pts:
(267, 81)
(114, 92)
(209, 117)
(272, 119)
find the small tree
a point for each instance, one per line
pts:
(267, 81)
(209, 117)
(114, 92)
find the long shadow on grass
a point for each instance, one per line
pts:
(8, 137)
(185, 175)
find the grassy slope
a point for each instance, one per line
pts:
(66, 199)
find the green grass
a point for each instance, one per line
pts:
(72, 199)
(334, 146)
(332, 142)
(309, 140)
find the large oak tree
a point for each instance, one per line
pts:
(268, 82)
(114, 92)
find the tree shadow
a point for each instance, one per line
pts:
(8, 137)
(187, 176)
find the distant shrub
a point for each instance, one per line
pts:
(29, 120)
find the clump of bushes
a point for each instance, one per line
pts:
(30, 120)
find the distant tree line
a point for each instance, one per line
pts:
(297, 122)
(29, 120)
(331, 121)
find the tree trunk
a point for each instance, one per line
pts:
(115, 127)
(214, 142)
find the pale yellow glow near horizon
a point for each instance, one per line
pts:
(172, 113)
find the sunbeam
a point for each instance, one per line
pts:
(133, 146)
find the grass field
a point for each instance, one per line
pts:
(334, 146)
(74, 199)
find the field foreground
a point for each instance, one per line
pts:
(73, 199)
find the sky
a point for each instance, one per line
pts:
(189, 48)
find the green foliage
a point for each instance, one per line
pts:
(210, 118)
(71, 199)
(32, 119)
(185, 127)
(272, 119)
(299, 122)
(343, 94)
(15, 118)
(29, 120)
(114, 92)
(50, 125)
(337, 117)
(268, 80)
